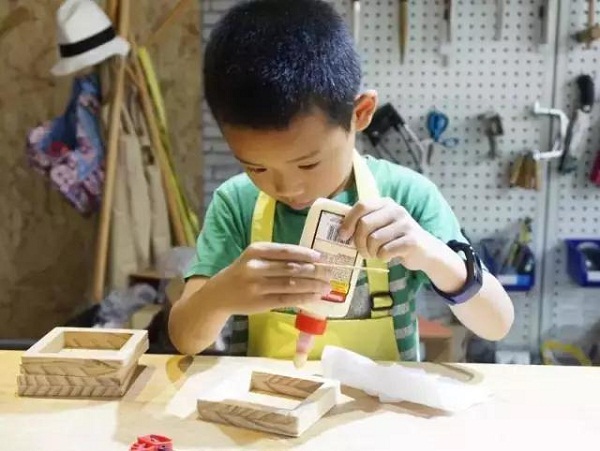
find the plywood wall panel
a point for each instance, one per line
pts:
(47, 247)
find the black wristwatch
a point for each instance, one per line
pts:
(474, 275)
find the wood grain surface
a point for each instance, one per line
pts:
(91, 381)
(47, 246)
(550, 408)
(112, 352)
(239, 408)
(70, 387)
(96, 339)
(284, 385)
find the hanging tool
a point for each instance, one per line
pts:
(525, 173)
(592, 32)
(500, 6)
(588, 35)
(437, 123)
(558, 145)
(493, 129)
(412, 137)
(544, 15)
(579, 125)
(356, 19)
(387, 118)
(515, 171)
(591, 18)
(447, 32)
(595, 173)
(403, 12)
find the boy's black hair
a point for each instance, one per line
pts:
(268, 61)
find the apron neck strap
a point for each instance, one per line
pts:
(366, 186)
(263, 219)
(379, 284)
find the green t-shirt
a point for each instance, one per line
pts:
(227, 228)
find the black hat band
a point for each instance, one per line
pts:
(79, 47)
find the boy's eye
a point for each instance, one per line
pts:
(255, 170)
(309, 166)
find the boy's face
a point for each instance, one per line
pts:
(310, 159)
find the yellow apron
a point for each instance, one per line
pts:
(272, 334)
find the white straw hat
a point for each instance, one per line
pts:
(86, 37)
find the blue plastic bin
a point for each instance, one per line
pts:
(516, 282)
(576, 266)
(510, 282)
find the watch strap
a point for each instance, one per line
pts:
(474, 279)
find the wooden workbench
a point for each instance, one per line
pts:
(550, 407)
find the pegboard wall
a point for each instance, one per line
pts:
(573, 202)
(506, 75)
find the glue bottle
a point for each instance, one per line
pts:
(309, 326)
(321, 233)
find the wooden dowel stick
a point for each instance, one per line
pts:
(111, 9)
(111, 165)
(360, 268)
(160, 152)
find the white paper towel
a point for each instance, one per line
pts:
(397, 383)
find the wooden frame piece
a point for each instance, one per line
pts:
(85, 352)
(96, 381)
(270, 402)
(75, 387)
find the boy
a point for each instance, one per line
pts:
(282, 79)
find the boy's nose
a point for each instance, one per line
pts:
(287, 188)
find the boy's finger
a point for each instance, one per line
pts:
(285, 252)
(294, 269)
(351, 219)
(382, 236)
(291, 285)
(290, 299)
(369, 224)
(395, 248)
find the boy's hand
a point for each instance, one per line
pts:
(383, 229)
(272, 275)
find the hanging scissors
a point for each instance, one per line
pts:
(437, 123)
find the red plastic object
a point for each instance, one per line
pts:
(310, 325)
(137, 446)
(152, 443)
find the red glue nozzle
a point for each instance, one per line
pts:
(310, 324)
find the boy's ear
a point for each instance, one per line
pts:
(365, 106)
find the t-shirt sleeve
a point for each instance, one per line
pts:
(436, 216)
(221, 240)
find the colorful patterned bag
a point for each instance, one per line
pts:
(69, 150)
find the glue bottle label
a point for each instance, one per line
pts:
(336, 251)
